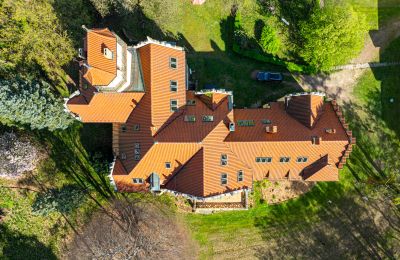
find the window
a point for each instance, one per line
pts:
(263, 159)
(136, 127)
(108, 53)
(208, 118)
(137, 180)
(240, 175)
(224, 179)
(245, 123)
(191, 102)
(173, 62)
(123, 156)
(224, 159)
(190, 118)
(167, 165)
(266, 121)
(123, 128)
(302, 159)
(174, 105)
(173, 84)
(137, 151)
(284, 159)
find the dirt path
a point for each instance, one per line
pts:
(340, 84)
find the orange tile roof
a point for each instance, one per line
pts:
(106, 107)
(304, 126)
(102, 70)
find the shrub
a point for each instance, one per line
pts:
(62, 200)
(33, 104)
(269, 41)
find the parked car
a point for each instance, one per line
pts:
(269, 76)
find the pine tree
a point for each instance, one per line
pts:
(31, 103)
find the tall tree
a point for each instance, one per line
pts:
(332, 36)
(33, 104)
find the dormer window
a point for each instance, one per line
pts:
(240, 176)
(173, 63)
(123, 128)
(173, 85)
(191, 102)
(190, 118)
(108, 53)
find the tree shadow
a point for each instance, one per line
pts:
(14, 245)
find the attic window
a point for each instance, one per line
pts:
(108, 53)
(208, 118)
(191, 102)
(266, 121)
(240, 176)
(190, 118)
(174, 105)
(224, 179)
(167, 165)
(263, 159)
(302, 159)
(137, 180)
(224, 159)
(173, 62)
(316, 139)
(173, 84)
(284, 159)
(123, 156)
(246, 123)
(136, 127)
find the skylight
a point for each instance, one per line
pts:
(246, 123)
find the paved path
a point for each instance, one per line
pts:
(366, 65)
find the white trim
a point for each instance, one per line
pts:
(161, 43)
(128, 71)
(110, 176)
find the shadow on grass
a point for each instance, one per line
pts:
(14, 245)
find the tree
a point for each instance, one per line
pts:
(132, 229)
(332, 36)
(269, 40)
(32, 42)
(31, 103)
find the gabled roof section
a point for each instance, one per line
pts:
(305, 107)
(212, 99)
(106, 107)
(101, 70)
(321, 170)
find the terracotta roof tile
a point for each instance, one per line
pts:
(106, 107)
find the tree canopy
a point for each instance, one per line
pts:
(332, 36)
(33, 104)
(32, 42)
(269, 41)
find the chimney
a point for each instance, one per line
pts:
(330, 130)
(316, 140)
(271, 129)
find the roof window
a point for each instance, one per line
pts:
(191, 102)
(263, 159)
(173, 85)
(167, 165)
(224, 179)
(208, 118)
(266, 121)
(174, 105)
(190, 118)
(302, 159)
(284, 159)
(246, 123)
(240, 176)
(136, 127)
(137, 180)
(224, 159)
(173, 63)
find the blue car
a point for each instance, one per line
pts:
(269, 76)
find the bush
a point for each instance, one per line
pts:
(269, 41)
(18, 155)
(33, 104)
(63, 200)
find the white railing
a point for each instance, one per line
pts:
(162, 43)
